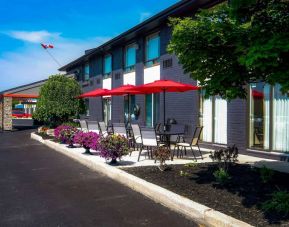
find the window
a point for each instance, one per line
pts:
(107, 65)
(269, 118)
(152, 109)
(86, 101)
(213, 117)
(131, 106)
(130, 57)
(86, 72)
(107, 110)
(152, 50)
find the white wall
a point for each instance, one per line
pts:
(151, 74)
(106, 83)
(129, 78)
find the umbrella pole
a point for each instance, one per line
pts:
(164, 110)
(128, 109)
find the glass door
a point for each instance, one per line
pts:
(106, 110)
(151, 109)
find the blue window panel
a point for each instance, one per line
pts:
(130, 56)
(107, 64)
(86, 72)
(153, 48)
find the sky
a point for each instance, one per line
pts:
(72, 26)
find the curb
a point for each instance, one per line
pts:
(192, 210)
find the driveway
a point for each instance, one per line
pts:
(40, 187)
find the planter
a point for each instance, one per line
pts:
(87, 151)
(113, 162)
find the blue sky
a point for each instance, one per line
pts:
(70, 25)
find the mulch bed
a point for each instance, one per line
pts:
(240, 198)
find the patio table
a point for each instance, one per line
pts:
(167, 135)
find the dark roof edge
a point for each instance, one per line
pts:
(22, 86)
(135, 28)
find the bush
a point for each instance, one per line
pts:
(162, 154)
(222, 176)
(42, 130)
(225, 157)
(65, 134)
(89, 140)
(57, 102)
(278, 203)
(113, 147)
(266, 174)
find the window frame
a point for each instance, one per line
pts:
(86, 75)
(213, 126)
(271, 122)
(128, 69)
(108, 74)
(155, 61)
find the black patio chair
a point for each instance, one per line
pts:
(182, 146)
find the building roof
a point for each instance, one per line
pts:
(23, 88)
(182, 8)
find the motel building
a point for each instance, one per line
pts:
(258, 126)
(17, 106)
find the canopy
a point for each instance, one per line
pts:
(124, 90)
(164, 86)
(94, 93)
(28, 96)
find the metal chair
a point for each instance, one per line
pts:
(194, 142)
(149, 141)
(93, 126)
(83, 125)
(119, 129)
(102, 128)
(177, 128)
(137, 140)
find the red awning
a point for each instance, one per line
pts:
(94, 93)
(29, 96)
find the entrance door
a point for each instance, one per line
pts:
(152, 109)
(106, 110)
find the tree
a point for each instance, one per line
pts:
(58, 102)
(230, 45)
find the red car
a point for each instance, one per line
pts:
(20, 114)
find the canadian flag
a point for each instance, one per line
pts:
(46, 46)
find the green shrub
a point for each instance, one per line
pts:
(225, 157)
(184, 173)
(191, 164)
(266, 174)
(57, 102)
(222, 176)
(278, 203)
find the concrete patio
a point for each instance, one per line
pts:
(131, 160)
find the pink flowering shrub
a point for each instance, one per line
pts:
(113, 146)
(65, 133)
(87, 139)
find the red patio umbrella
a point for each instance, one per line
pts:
(124, 90)
(257, 94)
(95, 93)
(165, 86)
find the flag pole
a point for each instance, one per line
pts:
(57, 62)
